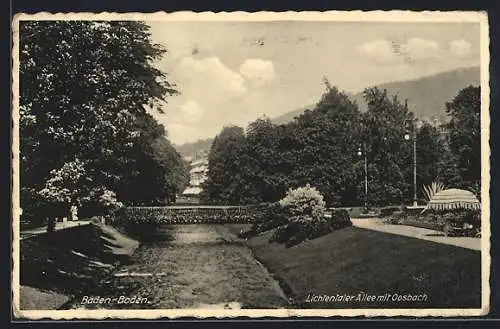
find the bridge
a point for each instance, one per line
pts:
(191, 214)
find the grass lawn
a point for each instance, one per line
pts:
(355, 260)
(36, 299)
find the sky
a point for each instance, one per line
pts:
(234, 72)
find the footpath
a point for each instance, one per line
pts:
(59, 226)
(377, 224)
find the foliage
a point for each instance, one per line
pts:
(324, 143)
(316, 148)
(264, 159)
(305, 204)
(225, 182)
(389, 155)
(434, 158)
(306, 217)
(65, 184)
(320, 148)
(294, 233)
(436, 220)
(465, 134)
(388, 211)
(431, 190)
(267, 217)
(85, 88)
(189, 215)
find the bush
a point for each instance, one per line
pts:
(294, 233)
(267, 217)
(305, 205)
(388, 211)
(460, 217)
(436, 220)
(306, 217)
(141, 226)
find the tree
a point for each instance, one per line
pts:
(326, 145)
(435, 162)
(227, 161)
(263, 161)
(390, 160)
(83, 87)
(176, 170)
(465, 134)
(316, 149)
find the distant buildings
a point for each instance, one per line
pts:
(197, 175)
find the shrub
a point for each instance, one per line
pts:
(387, 211)
(459, 217)
(307, 219)
(304, 204)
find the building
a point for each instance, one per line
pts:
(197, 175)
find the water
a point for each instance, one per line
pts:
(191, 266)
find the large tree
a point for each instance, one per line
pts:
(465, 134)
(326, 147)
(435, 161)
(390, 160)
(84, 85)
(264, 158)
(227, 161)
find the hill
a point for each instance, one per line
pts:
(289, 116)
(189, 149)
(426, 96)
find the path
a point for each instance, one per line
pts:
(377, 224)
(194, 266)
(59, 226)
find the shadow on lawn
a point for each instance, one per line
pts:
(73, 261)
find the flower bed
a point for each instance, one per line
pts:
(439, 221)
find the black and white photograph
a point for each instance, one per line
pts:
(250, 164)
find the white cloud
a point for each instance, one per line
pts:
(209, 91)
(388, 52)
(257, 71)
(209, 74)
(191, 111)
(420, 49)
(460, 48)
(380, 51)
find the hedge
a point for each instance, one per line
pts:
(188, 215)
(294, 233)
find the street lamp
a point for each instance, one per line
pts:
(360, 153)
(413, 136)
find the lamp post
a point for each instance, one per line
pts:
(414, 138)
(360, 153)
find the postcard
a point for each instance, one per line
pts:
(268, 164)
